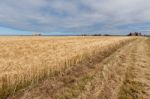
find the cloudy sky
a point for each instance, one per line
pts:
(74, 16)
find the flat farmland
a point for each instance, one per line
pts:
(31, 61)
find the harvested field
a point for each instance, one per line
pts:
(65, 67)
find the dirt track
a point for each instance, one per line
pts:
(137, 82)
(125, 74)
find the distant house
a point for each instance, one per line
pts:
(37, 34)
(135, 34)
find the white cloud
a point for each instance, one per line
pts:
(74, 15)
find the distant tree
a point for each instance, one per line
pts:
(84, 35)
(135, 34)
(96, 35)
(106, 35)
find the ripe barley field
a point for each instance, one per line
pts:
(25, 61)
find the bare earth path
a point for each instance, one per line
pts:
(123, 75)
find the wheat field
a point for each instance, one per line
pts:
(27, 60)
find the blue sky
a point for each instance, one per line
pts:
(74, 16)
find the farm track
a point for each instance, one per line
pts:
(137, 81)
(111, 78)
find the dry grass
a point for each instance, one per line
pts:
(26, 60)
(148, 44)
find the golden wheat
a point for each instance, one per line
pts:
(26, 60)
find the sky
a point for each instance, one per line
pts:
(74, 16)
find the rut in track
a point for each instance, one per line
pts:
(108, 79)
